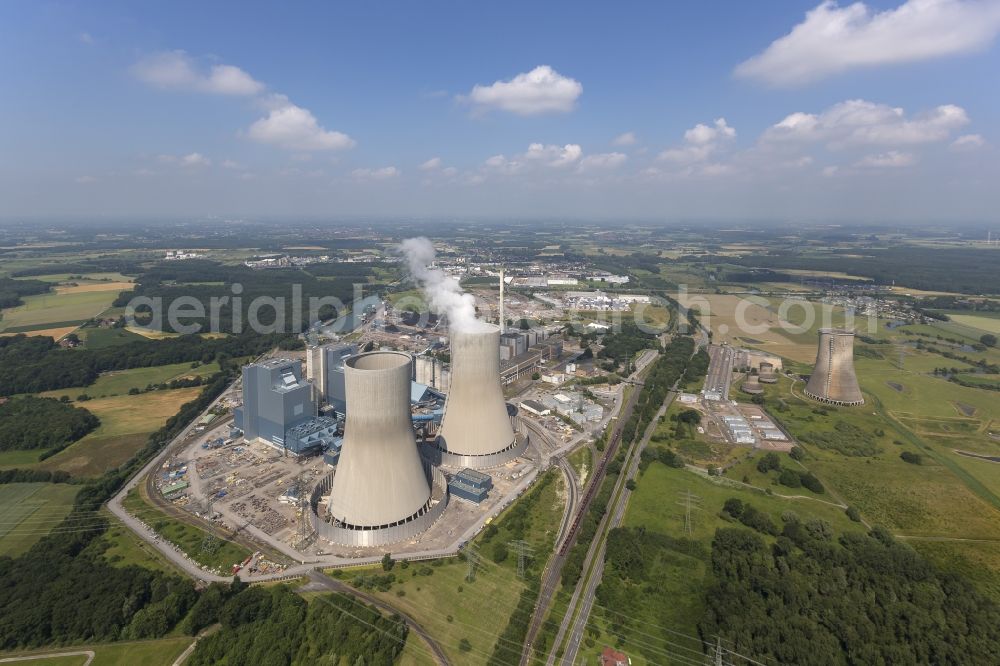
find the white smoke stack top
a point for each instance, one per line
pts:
(443, 292)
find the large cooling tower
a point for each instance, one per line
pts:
(380, 480)
(476, 429)
(833, 379)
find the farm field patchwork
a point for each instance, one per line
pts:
(126, 423)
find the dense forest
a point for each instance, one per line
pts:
(965, 270)
(234, 289)
(811, 598)
(30, 364)
(624, 344)
(274, 625)
(97, 265)
(11, 291)
(42, 423)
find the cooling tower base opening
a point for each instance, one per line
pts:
(383, 535)
(433, 452)
(839, 403)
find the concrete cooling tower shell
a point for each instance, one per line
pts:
(476, 430)
(381, 492)
(766, 373)
(833, 380)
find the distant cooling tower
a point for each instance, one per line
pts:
(476, 430)
(833, 379)
(382, 492)
(766, 373)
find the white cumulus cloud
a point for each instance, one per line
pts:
(381, 173)
(700, 142)
(542, 90)
(176, 70)
(554, 156)
(189, 160)
(833, 39)
(626, 139)
(602, 161)
(432, 164)
(289, 126)
(968, 143)
(860, 122)
(892, 159)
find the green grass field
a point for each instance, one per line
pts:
(122, 547)
(55, 310)
(213, 553)
(984, 322)
(29, 511)
(85, 278)
(159, 652)
(126, 423)
(102, 338)
(119, 383)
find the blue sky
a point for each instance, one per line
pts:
(736, 110)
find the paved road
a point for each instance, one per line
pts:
(52, 655)
(321, 580)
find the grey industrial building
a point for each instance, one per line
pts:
(276, 399)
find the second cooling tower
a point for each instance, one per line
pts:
(833, 379)
(476, 430)
(382, 491)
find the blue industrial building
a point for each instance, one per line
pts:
(470, 485)
(276, 399)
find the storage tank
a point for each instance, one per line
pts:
(476, 430)
(833, 380)
(752, 386)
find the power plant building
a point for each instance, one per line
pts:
(382, 492)
(833, 380)
(327, 372)
(476, 430)
(276, 398)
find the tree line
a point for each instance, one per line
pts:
(11, 291)
(31, 364)
(29, 423)
(809, 597)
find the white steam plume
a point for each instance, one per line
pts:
(443, 293)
